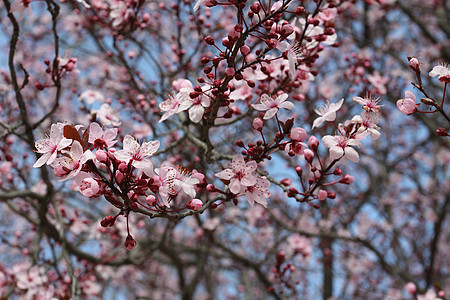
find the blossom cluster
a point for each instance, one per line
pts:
(126, 178)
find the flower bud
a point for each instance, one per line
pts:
(331, 194)
(411, 288)
(414, 64)
(441, 132)
(123, 167)
(150, 200)
(299, 171)
(309, 155)
(210, 188)
(195, 204)
(229, 72)
(258, 124)
(130, 243)
(108, 221)
(322, 195)
(101, 156)
(209, 40)
(338, 171)
(298, 134)
(313, 143)
(286, 181)
(347, 179)
(245, 50)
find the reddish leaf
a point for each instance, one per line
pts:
(71, 133)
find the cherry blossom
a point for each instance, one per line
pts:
(173, 180)
(101, 139)
(271, 105)
(195, 105)
(108, 116)
(138, 154)
(340, 146)
(443, 73)
(294, 53)
(368, 123)
(327, 112)
(407, 105)
(71, 163)
(241, 174)
(259, 192)
(370, 104)
(173, 105)
(50, 146)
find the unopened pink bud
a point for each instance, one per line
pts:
(414, 64)
(347, 179)
(298, 134)
(322, 195)
(123, 167)
(130, 243)
(195, 204)
(258, 124)
(151, 200)
(101, 156)
(313, 143)
(286, 181)
(119, 176)
(245, 50)
(411, 288)
(309, 155)
(210, 188)
(229, 72)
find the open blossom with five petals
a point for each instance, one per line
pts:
(172, 105)
(272, 104)
(241, 174)
(101, 139)
(69, 165)
(368, 124)
(258, 193)
(137, 154)
(442, 72)
(369, 104)
(195, 105)
(408, 104)
(50, 146)
(340, 146)
(327, 112)
(108, 116)
(173, 180)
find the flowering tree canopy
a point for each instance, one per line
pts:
(224, 149)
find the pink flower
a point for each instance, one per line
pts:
(107, 116)
(101, 139)
(20, 6)
(138, 154)
(241, 174)
(294, 53)
(90, 187)
(272, 104)
(379, 82)
(89, 96)
(340, 146)
(73, 160)
(50, 146)
(173, 180)
(258, 193)
(171, 106)
(407, 105)
(327, 112)
(369, 104)
(368, 124)
(443, 73)
(196, 105)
